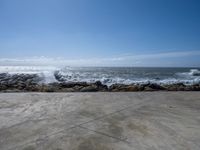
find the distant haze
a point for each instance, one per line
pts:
(149, 60)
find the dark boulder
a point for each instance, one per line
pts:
(72, 84)
(176, 87)
(153, 87)
(100, 86)
(124, 88)
(90, 88)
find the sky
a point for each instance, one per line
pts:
(160, 33)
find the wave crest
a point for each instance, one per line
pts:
(107, 76)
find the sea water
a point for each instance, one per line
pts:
(110, 75)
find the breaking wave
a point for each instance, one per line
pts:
(109, 76)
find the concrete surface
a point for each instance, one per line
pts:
(100, 121)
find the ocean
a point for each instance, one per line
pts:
(110, 75)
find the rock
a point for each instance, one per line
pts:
(45, 88)
(3, 87)
(123, 88)
(196, 88)
(98, 83)
(115, 87)
(73, 84)
(151, 87)
(115, 90)
(27, 82)
(100, 86)
(19, 81)
(89, 89)
(188, 88)
(176, 87)
(3, 83)
(140, 87)
(3, 76)
(77, 88)
(156, 86)
(11, 91)
(147, 88)
(68, 90)
(132, 88)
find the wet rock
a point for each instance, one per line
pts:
(27, 82)
(100, 86)
(132, 88)
(189, 88)
(3, 87)
(11, 90)
(77, 88)
(196, 88)
(152, 87)
(3, 76)
(176, 87)
(124, 88)
(69, 90)
(18, 81)
(91, 88)
(115, 87)
(135, 87)
(98, 83)
(156, 86)
(147, 88)
(72, 84)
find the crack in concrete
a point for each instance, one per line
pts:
(80, 125)
(107, 135)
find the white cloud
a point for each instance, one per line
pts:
(127, 60)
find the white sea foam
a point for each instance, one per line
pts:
(84, 77)
(106, 76)
(194, 72)
(46, 72)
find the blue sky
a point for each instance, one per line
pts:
(101, 32)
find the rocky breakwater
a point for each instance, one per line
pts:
(19, 82)
(99, 87)
(153, 87)
(74, 87)
(33, 83)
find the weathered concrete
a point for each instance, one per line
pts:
(100, 121)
